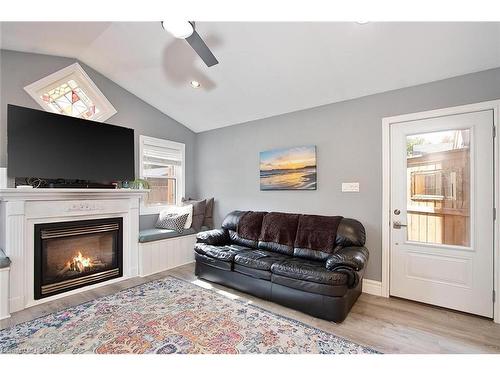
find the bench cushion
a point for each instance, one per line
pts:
(156, 234)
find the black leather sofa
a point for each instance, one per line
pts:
(310, 263)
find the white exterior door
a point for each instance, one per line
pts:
(442, 199)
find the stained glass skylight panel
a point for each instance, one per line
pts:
(71, 92)
(69, 99)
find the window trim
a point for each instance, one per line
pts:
(181, 180)
(106, 108)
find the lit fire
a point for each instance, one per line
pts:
(79, 263)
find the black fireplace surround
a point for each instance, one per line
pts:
(73, 254)
(311, 263)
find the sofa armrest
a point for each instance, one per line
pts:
(215, 237)
(353, 257)
(350, 261)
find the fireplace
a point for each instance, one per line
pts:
(70, 255)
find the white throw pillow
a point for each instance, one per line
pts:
(172, 221)
(180, 210)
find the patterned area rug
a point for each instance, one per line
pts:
(169, 316)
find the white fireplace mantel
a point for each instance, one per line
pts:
(21, 209)
(58, 194)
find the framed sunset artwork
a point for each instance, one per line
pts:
(292, 168)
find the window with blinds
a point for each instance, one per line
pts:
(162, 165)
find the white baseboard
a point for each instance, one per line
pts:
(372, 287)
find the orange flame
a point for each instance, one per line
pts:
(79, 263)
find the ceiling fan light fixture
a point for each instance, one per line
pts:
(179, 29)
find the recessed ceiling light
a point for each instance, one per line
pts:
(195, 84)
(361, 22)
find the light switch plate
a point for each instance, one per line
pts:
(350, 187)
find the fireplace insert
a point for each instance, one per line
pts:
(70, 255)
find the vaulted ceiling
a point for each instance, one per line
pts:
(265, 69)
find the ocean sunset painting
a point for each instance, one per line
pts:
(291, 168)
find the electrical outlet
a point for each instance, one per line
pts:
(350, 187)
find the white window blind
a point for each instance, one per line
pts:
(162, 164)
(158, 160)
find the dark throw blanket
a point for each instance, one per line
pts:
(279, 228)
(249, 225)
(317, 232)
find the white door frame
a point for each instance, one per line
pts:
(493, 105)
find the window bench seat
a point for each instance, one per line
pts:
(163, 249)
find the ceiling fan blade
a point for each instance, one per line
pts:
(201, 49)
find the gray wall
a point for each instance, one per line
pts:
(348, 137)
(226, 161)
(19, 69)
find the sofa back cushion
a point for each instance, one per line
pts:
(312, 238)
(278, 232)
(316, 236)
(244, 227)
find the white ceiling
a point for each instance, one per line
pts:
(265, 69)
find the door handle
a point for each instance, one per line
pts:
(398, 225)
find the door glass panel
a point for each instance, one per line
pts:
(438, 187)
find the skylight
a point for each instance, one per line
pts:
(71, 92)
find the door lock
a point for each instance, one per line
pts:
(397, 211)
(398, 225)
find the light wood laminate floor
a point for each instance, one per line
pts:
(389, 325)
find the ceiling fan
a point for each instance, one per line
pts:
(186, 30)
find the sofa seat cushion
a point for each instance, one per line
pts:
(156, 234)
(308, 270)
(223, 253)
(252, 272)
(308, 286)
(212, 262)
(259, 259)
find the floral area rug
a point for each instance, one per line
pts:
(169, 316)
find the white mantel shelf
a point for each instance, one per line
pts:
(58, 194)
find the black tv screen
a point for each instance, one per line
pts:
(51, 146)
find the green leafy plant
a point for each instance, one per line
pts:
(139, 183)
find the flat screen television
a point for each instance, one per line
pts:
(51, 146)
